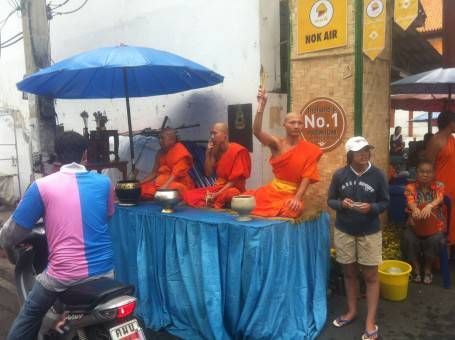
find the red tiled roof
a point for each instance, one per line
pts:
(433, 11)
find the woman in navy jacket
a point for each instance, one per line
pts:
(359, 193)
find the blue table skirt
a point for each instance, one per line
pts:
(201, 274)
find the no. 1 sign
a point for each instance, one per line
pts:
(324, 123)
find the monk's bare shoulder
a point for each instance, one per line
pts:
(283, 145)
(438, 140)
(275, 142)
(436, 143)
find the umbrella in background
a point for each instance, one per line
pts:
(421, 102)
(423, 118)
(119, 72)
(429, 91)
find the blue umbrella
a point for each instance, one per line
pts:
(119, 72)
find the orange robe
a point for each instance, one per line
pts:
(289, 169)
(233, 166)
(444, 166)
(176, 161)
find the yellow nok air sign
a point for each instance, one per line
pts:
(405, 12)
(322, 24)
(374, 23)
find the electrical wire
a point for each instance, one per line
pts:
(59, 5)
(9, 39)
(14, 3)
(4, 21)
(12, 43)
(73, 11)
(17, 6)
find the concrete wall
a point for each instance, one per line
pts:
(12, 70)
(276, 108)
(224, 36)
(233, 38)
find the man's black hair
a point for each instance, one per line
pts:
(69, 147)
(445, 118)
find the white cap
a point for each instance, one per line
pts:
(356, 144)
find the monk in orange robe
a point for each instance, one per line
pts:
(232, 165)
(294, 164)
(441, 150)
(170, 171)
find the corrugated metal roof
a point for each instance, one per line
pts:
(433, 11)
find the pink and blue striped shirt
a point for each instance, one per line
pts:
(75, 206)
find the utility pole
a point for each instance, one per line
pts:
(37, 55)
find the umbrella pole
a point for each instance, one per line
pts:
(130, 129)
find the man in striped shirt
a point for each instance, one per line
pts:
(75, 205)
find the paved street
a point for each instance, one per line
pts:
(426, 314)
(9, 305)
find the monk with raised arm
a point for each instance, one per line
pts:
(294, 164)
(171, 169)
(232, 165)
(441, 151)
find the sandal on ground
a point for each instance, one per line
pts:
(416, 278)
(371, 335)
(428, 278)
(340, 322)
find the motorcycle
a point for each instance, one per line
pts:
(98, 309)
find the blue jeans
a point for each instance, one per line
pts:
(28, 321)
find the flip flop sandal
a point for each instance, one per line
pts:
(371, 335)
(417, 278)
(340, 322)
(428, 279)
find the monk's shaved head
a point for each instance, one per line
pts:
(168, 137)
(169, 132)
(293, 124)
(293, 115)
(222, 127)
(219, 134)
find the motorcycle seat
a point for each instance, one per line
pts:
(86, 296)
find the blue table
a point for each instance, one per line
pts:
(201, 274)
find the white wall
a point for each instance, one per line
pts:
(276, 108)
(231, 37)
(12, 70)
(221, 35)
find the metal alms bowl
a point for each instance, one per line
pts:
(243, 205)
(168, 199)
(128, 192)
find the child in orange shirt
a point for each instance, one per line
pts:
(426, 220)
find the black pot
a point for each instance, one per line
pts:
(128, 191)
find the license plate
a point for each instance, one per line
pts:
(127, 331)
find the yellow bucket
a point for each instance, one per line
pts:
(394, 279)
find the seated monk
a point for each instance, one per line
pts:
(170, 171)
(232, 164)
(294, 164)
